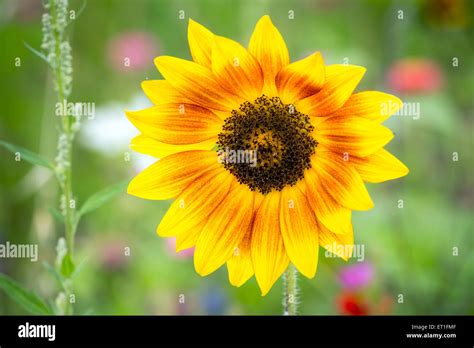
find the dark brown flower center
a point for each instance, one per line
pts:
(266, 144)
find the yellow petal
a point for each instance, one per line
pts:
(299, 231)
(197, 201)
(373, 105)
(224, 230)
(341, 245)
(341, 180)
(149, 146)
(239, 266)
(188, 238)
(380, 166)
(200, 42)
(301, 79)
(334, 216)
(269, 257)
(352, 136)
(169, 176)
(268, 46)
(237, 70)
(340, 82)
(196, 83)
(161, 92)
(177, 124)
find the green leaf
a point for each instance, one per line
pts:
(36, 52)
(84, 4)
(78, 268)
(27, 155)
(58, 277)
(56, 214)
(29, 300)
(67, 266)
(100, 198)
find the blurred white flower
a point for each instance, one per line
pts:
(109, 132)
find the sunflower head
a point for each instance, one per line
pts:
(277, 134)
(265, 158)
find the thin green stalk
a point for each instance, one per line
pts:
(61, 60)
(66, 186)
(290, 291)
(70, 224)
(57, 66)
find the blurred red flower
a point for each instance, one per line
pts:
(352, 304)
(415, 75)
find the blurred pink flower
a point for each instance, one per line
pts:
(356, 276)
(170, 244)
(415, 75)
(132, 51)
(112, 255)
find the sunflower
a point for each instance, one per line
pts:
(265, 159)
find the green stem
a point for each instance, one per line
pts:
(57, 68)
(290, 291)
(66, 183)
(69, 221)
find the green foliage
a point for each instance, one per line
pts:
(56, 214)
(29, 300)
(56, 276)
(100, 198)
(67, 266)
(28, 155)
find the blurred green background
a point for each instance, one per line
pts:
(419, 259)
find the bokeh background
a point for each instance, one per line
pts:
(418, 240)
